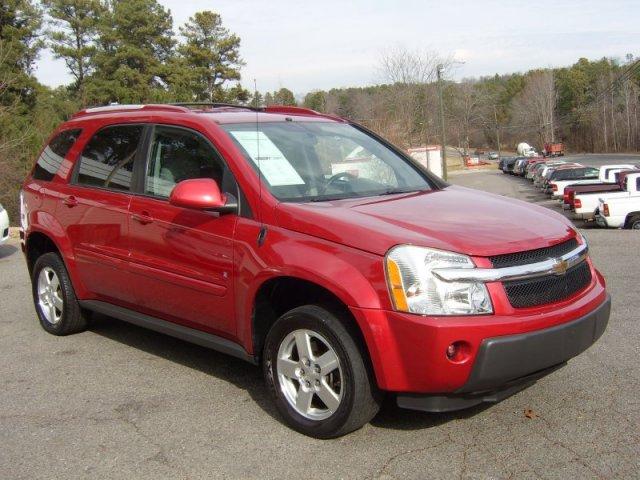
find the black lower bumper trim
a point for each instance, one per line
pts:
(506, 365)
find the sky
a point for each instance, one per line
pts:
(306, 46)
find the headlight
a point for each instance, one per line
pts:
(414, 288)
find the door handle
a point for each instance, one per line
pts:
(70, 201)
(143, 218)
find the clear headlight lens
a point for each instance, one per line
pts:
(414, 288)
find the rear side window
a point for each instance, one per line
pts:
(107, 159)
(53, 154)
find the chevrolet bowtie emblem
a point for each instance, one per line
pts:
(560, 267)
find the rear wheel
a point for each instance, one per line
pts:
(633, 222)
(317, 374)
(54, 297)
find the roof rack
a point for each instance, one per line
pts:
(116, 107)
(183, 107)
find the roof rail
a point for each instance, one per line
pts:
(216, 105)
(129, 108)
(300, 111)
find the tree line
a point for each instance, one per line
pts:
(130, 51)
(590, 106)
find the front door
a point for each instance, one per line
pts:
(182, 258)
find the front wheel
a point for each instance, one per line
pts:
(317, 374)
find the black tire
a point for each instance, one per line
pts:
(633, 222)
(360, 397)
(72, 318)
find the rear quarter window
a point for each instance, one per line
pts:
(53, 154)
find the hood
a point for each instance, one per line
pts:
(455, 218)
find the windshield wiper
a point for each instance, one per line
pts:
(395, 191)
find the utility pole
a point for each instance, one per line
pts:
(440, 70)
(495, 116)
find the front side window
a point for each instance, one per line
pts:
(316, 161)
(177, 154)
(53, 154)
(107, 159)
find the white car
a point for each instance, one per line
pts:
(4, 225)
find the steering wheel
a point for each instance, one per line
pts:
(344, 176)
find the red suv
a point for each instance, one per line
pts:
(309, 245)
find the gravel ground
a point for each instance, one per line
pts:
(118, 401)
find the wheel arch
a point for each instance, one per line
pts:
(279, 294)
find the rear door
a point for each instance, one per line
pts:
(94, 211)
(182, 259)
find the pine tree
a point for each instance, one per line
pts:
(210, 57)
(134, 47)
(72, 36)
(20, 22)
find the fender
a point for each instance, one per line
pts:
(355, 277)
(46, 224)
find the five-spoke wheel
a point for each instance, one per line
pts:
(315, 368)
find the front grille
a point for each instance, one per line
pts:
(533, 256)
(548, 289)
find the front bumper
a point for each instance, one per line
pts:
(409, 352)
(506, 365)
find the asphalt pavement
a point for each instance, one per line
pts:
(121, 402)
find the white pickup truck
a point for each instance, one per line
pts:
(585, 204)
(621, 212)
(606, 174)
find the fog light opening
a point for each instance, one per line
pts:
(458, 352)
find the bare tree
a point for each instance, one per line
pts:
(534, 107)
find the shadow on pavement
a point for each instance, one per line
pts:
(226, 368)
(249, 377)
(7, 250)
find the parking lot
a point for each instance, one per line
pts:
(118, 401)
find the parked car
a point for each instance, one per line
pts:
(343, 278)
(507, 163)
(585, 203)
(546, 172)
(563, 177)
(492, 156)
(608, 181)
(620, 212)
(4, 225)
(541, 170)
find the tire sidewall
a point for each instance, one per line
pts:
(52, 261)
(306, 319)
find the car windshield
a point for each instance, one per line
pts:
(318, 161)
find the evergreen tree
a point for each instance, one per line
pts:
(284, 96)
(210, 57)
(135, 44)
(20, 22)
(72, 36)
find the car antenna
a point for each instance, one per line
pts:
(263, 230)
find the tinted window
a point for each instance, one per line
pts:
(53, 154)
(177, 154)
(107, 160)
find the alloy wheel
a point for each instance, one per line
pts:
(310, 374)
(50, 295)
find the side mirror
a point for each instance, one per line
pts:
(202, 194)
